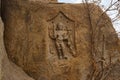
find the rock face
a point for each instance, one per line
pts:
(60, 41)
(8, 70)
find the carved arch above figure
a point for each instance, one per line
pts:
(60, 12)
(62, 35)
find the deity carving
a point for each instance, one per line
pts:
(62, 36)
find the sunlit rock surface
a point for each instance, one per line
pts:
(52, 41)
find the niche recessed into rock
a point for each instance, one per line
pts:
(52, 41)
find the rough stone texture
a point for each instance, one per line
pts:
(8, 70)
(35, 41)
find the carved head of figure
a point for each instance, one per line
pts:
(60, 26)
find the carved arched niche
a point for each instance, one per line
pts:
(61, 32)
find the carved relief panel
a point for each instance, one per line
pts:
(61, 34)
(61, 45)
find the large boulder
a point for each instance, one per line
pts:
(53, 41)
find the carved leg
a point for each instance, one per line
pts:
(59, 56)
(61, 50)
(58, 50)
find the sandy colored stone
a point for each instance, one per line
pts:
(32, 36)
(8, 70)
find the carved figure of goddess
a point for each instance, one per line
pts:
(62, 36)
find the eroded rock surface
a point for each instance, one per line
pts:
(60, 41)
(8, 70)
